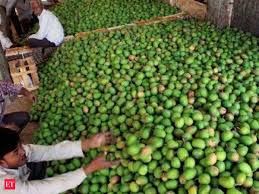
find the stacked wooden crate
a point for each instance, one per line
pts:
(23, 69)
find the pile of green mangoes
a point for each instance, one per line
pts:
(181, 98)
(84, 15)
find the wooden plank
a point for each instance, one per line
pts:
(18, 50)
(26, 80)
(173, 17)
(16, 80)
(220, 12)
(177, 16)
(30, 62)
(35, 78)
(115, 27)
(25, 71)
(246, 16)
(12, 67)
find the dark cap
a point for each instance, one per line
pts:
(9, 141)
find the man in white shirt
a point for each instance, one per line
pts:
(14, 173)
(51, 32)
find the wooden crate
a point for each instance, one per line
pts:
(24, 71)
(18, 53)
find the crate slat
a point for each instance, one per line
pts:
(181, 15)
(24, 71)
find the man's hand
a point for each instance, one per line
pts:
(28, 94)
(98, 140)
(99, 163)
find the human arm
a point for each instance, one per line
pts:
(64, 182)
(60, 151)
(99, 163)
(98, 140)
(66, 149)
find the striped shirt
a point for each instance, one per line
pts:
(7, 89)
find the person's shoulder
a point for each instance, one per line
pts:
(49, 13)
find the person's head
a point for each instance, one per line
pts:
(36, 7)
(12, 154)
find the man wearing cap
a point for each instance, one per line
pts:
(14, 156)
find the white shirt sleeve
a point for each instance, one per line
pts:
(5, 41)
(60, 151)
(43, 30)
(53, 185)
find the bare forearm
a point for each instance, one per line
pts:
(98, 140)
(88, 170)
(86, 145)
(99, 163)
